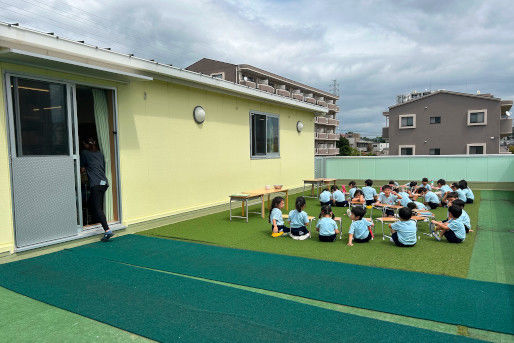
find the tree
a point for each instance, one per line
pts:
(344, 147)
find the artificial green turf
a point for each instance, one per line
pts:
(463, 302)
(428, 255)
(170, 308)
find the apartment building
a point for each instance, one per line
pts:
(366, 147)
(447, 123)
(256, 78)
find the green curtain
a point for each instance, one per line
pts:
(102, 132)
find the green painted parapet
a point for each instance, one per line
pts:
(489, 168)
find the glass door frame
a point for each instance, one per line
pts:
(74, 144)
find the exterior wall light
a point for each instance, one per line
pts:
(199, 114)
(299, 126)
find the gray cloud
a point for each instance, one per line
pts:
(375, 49)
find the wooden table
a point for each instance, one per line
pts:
(387, 220)
(318, 182)
(243, 198)
(262, 192)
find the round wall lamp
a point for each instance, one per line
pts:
(199, 114)
(299, 126)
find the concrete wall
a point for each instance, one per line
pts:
(453, 133)
(168, 163)
(492, 168)
(208, 67)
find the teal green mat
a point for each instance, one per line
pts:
(477, 304)
(172, 308)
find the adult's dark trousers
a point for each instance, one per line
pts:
(96, 203)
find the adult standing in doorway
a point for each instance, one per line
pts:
(93, 163)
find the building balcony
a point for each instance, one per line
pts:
(333, 136)
(333, 107)
(321, 120)
(321, 135)
(506, 105)
(248, 84)
(322, 103)
(505, 127)
(385, 132)
(266, 88)
(333, 122)
(297, 96)
(310, 100)
(283, 92)
(333, 151)
(321, 151)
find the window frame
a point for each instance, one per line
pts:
(484, 145)
(222, 73)
(477, 124)
(430, 120)
(434, 149)
(406, 146)
(272, 155)
(413, 115)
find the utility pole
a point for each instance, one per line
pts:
(335, 87)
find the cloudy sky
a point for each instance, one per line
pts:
(374, 49)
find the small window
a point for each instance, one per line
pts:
(407, 149)
(478, 117)
(476, 149)
(265, 135)
(407, 121)
(435, 151)
(218, 75)
(435, 120)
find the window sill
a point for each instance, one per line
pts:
(268, 157)
(406, 127)
(477, 124)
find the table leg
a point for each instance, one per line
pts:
(262, 206)
(312, 190)
(230, 209)
(247, 209)
(269, 202)
(287, 200)
(383, 238)
(242, 208)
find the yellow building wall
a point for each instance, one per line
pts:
(168, 163)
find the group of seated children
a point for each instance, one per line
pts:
(298, 219)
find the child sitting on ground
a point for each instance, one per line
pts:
(464, 217)
(453, 229)
(431, 199)
(444, 189)
(370, 194)
(470, 197)
(275, 217)
(424, 184)
(327, 227)
(299, 220)
(358, 197)
(388, 197)
(459, 188)
(416, 205)
(352, 188)
(338, 197)
(403, 198)
(413, 186)
(403, 232)
(359, 231)
(393, 184)
(325, 197)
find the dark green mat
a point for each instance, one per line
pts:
(492, 215)
(171, 308)
(482, 305)
(497, 195)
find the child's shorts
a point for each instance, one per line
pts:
(469, 201)
(389, 212)
(324, 203)
(341, 203)
(450, 236)
(362, 240)
(433, 205)
(283, 228)
(394, 236)
(369, 202)
(299, 231)
(330, 238)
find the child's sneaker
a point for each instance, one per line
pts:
(348, 212)
(277, 234)
(436, 236)
(107, 236)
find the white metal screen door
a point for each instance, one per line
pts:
(43, 166)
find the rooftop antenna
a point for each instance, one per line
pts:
(335, 87)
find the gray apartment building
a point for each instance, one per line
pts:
(253, 77)
(447, 123)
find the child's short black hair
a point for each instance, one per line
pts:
(333, 188)
(464, 183)
(359, 211)
(412, 206)
(325, 189)
(441, 182)
(454, 184)
(413, 183)
(326, 209)
(351, 183)
(421, 190)
(391, 182)
(455, 211)
(369, 182)
(405, 213)
(424, 179)
(358, 192)
(299, 203)
(452, 195)
(459, 203)
(274, 203)
(386, 187)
